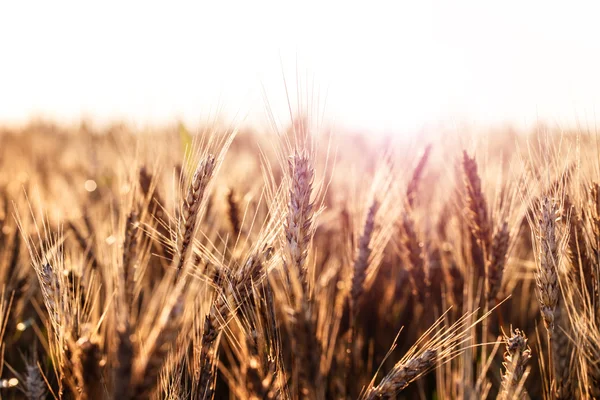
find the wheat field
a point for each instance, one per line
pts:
(298, 264)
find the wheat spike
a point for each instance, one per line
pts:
(191, 206)
(477, 211)
(497, 262)
(546, 275)
(299, 219)
(362, 255)
(402, 375)
(516, 356)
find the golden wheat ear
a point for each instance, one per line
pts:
(196, 191)
(361, 261)
(478, 216)
(516, 356)
(497, 261)
(437, 346)
(549, 258)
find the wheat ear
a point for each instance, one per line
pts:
(402, 375)
(191, 206)
(363, 253)
(413, 184)
(546, 275)
(35, 386)
(496, 264)
(516, 356)
(412, 254)
(299, 219)
(478, 218)
(233, 212)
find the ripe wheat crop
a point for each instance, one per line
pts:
(298, 264)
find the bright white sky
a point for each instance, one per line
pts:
(382, 66)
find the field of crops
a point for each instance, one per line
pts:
(298, 264)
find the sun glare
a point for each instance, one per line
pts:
(388, 66)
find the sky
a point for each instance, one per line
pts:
(374, 66)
